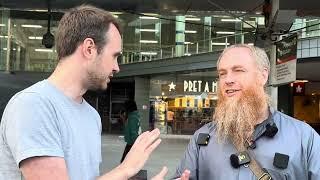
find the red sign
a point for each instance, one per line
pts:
(298, 89)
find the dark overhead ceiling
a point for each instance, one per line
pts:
(304, 7)
(308, 69)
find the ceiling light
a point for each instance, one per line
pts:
(2, 25)
(148, 41)
(188, 42)
(148, 17)
(311, 20)
(35, 37)
(38, 10)
(220, 44)
(116, 13)
(43, 50)
(148, 30)
(190, 31)
(224, 32)
(150, 14)
(221, 16)
(14, 49)
(41, 10)
(31, 26)
(250, 44)
(3, 36)
(192, 19)
(148, 53)
(230, 20)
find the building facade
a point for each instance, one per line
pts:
(167, 66)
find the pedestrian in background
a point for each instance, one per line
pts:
(132, 127)
(151, 116)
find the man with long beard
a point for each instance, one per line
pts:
(244, 122)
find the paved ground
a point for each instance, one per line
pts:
(167, 154)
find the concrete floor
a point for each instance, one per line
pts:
(167, 154)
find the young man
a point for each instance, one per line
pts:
(48, 131)
(244, 122)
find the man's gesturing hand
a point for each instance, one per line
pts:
(140, 152)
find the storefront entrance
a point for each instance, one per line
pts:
(183, 102)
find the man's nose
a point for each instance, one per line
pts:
(116, 68)
(229, 79)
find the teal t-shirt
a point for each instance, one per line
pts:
(131, 128)
(42, 121)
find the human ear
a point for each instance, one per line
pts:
(89, 48)
(265, 75)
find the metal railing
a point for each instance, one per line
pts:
(187, 49)
(307, 47)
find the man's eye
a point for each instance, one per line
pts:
(239, 70)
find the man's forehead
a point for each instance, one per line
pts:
(236, 56)
(237, 52)
(114, 37)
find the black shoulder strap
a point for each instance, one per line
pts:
(256, 168)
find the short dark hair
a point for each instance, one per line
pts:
(130, 105)
(83, 22)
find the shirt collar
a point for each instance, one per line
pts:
(261, 128)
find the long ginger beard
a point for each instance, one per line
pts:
(236, 117)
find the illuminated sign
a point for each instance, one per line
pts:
(172, 86)
(200, 86)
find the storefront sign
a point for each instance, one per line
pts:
(200, 86)
(286, 60)
(298, 89)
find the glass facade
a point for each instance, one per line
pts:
(21, 44)
(146, 36)
(4, 14)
